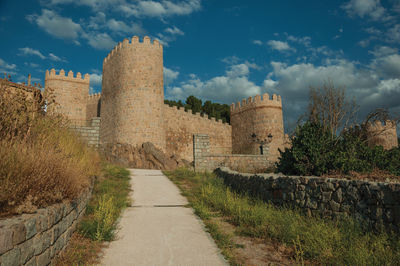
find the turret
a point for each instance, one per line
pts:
(69, 93)
(132, 94)
(257, 126)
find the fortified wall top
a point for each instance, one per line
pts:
(256, 102)
(61, 76)
(95, 95)
(134, 42)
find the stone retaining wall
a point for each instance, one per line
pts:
(90, 133)
(378, 204)
(35, 239)
(205, 161)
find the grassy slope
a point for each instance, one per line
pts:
(312, 239)
(110, 197)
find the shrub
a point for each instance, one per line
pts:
(41, 161)
(315, 151)
(311, 153)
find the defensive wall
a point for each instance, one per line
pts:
(132, 98)
(254, 121)
(384, 134)
(89, 132)
(35, 239)
(70, 94)
(377, 204)
(93, 106)
(207, 159)
(180, 126)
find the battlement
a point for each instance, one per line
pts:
(133, 42)
(51, 75)
(379, 125)
(188, 113)
(257, 101)
(94, 96)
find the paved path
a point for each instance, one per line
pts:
(158, 230)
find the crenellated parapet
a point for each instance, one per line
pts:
(257, 102)
(383, 134)
(134, 43)
(51, 75)
(187, 114)
(94, 96)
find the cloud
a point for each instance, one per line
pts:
(122, 27)
(363, 8)
(100, 41)
(393, 34)
(95, 79)
(170, 75)
(31, 51)
(5, 65)
(280, 46)
(383, 50)
(174, 31)
(55, 58)
(387, 66)
(160, 9)
(257, 42)
(170, 35)
(232, 86)
(56, 25)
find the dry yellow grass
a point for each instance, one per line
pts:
(41, 160)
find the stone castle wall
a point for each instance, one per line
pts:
(180, 126)
(206, 159)
(377, 204)
(383, 134)
(93, 106)
(35, 239)
(70, 94)
(261, 116)
(133, 94)
(89, 132)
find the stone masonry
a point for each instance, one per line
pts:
(206, 160)
(377, 204)
(132, 111)
(35, 239)
(70, 94)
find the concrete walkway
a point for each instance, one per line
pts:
(158, 229)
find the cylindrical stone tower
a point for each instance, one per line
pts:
(133, 94)
(253, 120)
(69, 93)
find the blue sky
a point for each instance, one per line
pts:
(218, 50)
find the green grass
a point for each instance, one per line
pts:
(110, 197)
(313, 239)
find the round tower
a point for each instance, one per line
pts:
(69, 93)
(132, 94)
(257, 126)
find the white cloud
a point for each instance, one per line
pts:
(120, 26)
(387, 66)
(257, 42)
(5, 65)
(383, 50)
(231, 60)
(393, 34)
(56, 25)
(31, 51)
(100, 41)
(280, 46)
(170, 75)
(174, 31)
(232, 86)
(363, 8)
(95, 79)
(55, 58)
(170, 35)
(160, 9)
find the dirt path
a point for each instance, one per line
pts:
(158, 229)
